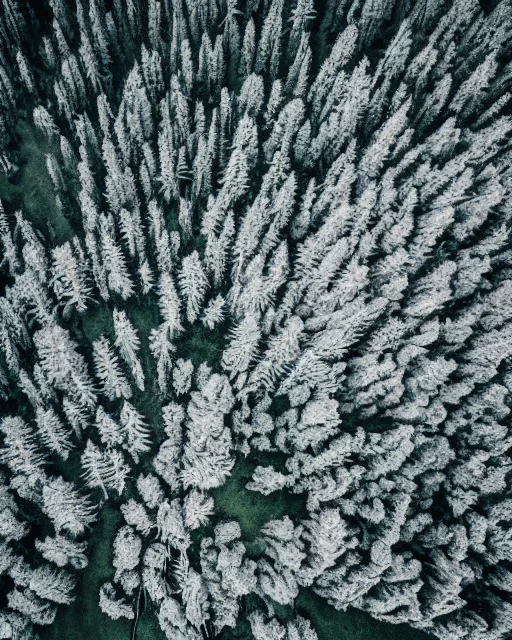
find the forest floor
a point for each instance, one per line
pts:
(31, 190)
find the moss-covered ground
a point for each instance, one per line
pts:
(31, 188)
(32, 191)
(250, 508)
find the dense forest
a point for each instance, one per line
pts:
(255, 319)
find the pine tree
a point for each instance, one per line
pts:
(114, 607)
(52, 432)
(136, 433)
(62, 551)
(105, 469)
(108, 370)
(136, 516)
(118, 277)
(128, 343)
(193, 284)
(21, 452)
(207, 457)
(52, 584)
(70, 278)
(63, 366)
(67, 508)
(30, 605)
(182, 376)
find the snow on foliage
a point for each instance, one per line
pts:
(279, 241)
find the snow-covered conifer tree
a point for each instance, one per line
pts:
(52, 584)
(128, 343)
(301, 210)
(62, 551)
(108, 370)
(113, 606)
(182, 376)
(207, 454)
(68, 509)
(193, 284)
(52, 432)
(69, 277)
(137, 436)
(105, 469)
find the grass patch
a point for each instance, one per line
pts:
(352, 624)
(148, 627)
(97, 321)
(251, 508)
(31, 188)
(200, 344)
(144, 316)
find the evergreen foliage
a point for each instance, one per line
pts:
(276, 264)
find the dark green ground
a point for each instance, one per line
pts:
(32, 191)
(31, 188)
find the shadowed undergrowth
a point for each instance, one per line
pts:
(31, 188)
